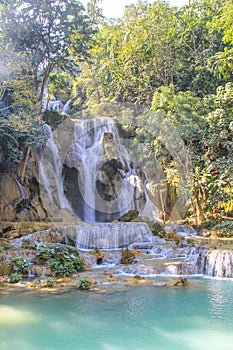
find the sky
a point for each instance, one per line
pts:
(115, 8)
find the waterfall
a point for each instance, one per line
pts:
(110, 182)
(53, 104)
(57, 105)
(218, 263)
(50, 173)
(109, 235)
(86, 168)
(89, 236)
(66, 106)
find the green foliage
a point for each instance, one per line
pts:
(154, 45)
(4, 247)
(18, 131)
(53, 118)
(63, 260)
(48, 282)
(19, 265)
(14, 277)
(53, 34)
(157, 230)
(130, 59)
(205, 126)
(224, 229)
(195, 43)
(83, 283)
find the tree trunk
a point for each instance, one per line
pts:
(23, 165)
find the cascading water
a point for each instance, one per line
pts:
(96, 179)
(21, 189)
(107, 235)
(107, 184)
(218, 263)
(109, 181)
(50, 173)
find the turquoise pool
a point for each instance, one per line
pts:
(199, 317)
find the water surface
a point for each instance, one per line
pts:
(199, 317)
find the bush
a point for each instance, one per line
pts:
(62, 259)
(42, 282)
(224, 229)
(14, 277)
(19, 264)
(83, 283)
(47, 282)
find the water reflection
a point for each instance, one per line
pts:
(220, 302)
(198, 317)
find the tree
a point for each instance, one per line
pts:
(223, 60)
(134, 55)
(195, 43)
(53, 34)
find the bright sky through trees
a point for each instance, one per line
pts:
(115, 8)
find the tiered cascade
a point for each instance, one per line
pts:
(98, 181)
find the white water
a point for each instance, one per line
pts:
(21, 189)
(219, 263)
(111, 236)
(109, 182)
(53, 104)
(98, 144)
(50, 173)
(57, 105)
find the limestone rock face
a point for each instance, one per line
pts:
(20, 197)
(10, 197)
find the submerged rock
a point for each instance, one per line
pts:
(180, 282)
(139, 280)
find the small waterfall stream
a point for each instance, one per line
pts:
(21, 189)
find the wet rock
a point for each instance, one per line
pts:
(39, 270)
(99, 255)
(172, 236)
(157, 229)
(205, 233)
(130, 216)
(181, 230)
(180, 282)
(64, 280)
(127, 256)
(111, 278)
(139, 280)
